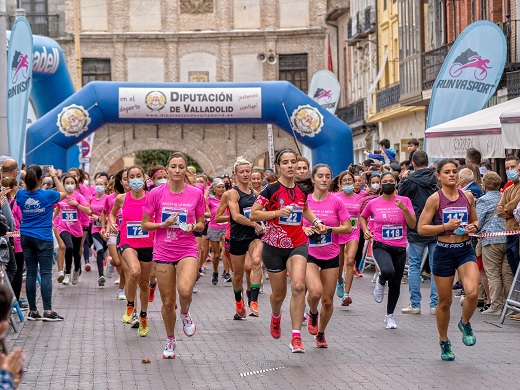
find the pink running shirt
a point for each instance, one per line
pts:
(353, 204)
(69, 220)
(97, 206)
(130, 229)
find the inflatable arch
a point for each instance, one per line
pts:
(67, 117)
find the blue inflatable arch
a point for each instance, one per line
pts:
(67, 117)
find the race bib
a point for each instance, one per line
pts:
(455, 213)
(354, 222)
(182, 216)
(134, 230)
(247, 212)
(69, 215)
(392, 232)
(294, 219)
(326, 239)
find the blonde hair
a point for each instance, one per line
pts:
(240, 161)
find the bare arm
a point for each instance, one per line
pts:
(425, 226)
(234, 210)
(221, 209)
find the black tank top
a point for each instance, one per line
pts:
(245, 202)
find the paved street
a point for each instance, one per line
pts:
(92, 349)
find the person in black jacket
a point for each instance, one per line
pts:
(418, 186)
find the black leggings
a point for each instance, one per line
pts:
(16, 284)
(72, 250)
(101, 246)
(359, 253)
(391, 261)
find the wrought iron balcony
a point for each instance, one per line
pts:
(513, 84)
(349, 32)
(46, 25)
(432, 62)
(388, 96)
(370, 20)
(353, 114)
(360, 31)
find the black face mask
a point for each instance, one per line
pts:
(227, 185)
(388, 188)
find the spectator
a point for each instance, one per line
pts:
(467, 182)
(302, 168)
(367, 164)
(494, 248)
(270, 176)
(473, 156)
(385, 154)
(10, 168)
(476, 173)
(413, 145)
(485, 167)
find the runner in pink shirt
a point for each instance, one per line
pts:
(69, 226)
(97, 205)
(324, 250)
(136, 246)
(348, 242)
(392, 213)
(178, 209)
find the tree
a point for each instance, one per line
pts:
(145, 158)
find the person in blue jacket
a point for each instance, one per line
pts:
(386, 154)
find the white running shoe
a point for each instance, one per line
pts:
(66, 279)
(75, 277)
(109, 271)
(188, 326)
(121, 295)
(379, 292)
(169, 350)
(61, 276)
(117, 281)
(411, 310)
(390, 322)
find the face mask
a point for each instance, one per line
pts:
(512, 175)
(459, 231)
(160, 182)
(136, 184)
(348, 189)
(482, 170)
(100, 189)
(388, 188)
(374, 186)
(70, 187)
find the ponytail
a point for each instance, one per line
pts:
(32, 177)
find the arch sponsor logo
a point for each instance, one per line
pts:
(307, 121)
(73, 120)
(155, 101)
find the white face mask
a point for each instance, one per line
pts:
(160, 182)
(70, 187)
(375, 186)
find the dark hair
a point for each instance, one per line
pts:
(99, 174)
(33, 176)
(281, 152)
(154, 168)
(384, 142)
(67, 176)
(413, 141)
(368, 162)
(420, 159)
(474, 155)
(512, 157)
(6, 301)
(118, 187)
(386, 174)
(336, 182)
(9, 182)
(443, 162)
(306, 184)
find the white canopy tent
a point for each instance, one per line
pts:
(510, 121)
(481, 130)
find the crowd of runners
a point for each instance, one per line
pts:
(154, 228)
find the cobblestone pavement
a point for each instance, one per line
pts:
(92, 349)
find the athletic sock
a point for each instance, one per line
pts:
(130, 303)
(296, 333)
(143, 314)
(172, 337)
(238, 295)
(255, 290)
(276, 318)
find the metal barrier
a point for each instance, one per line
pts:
(513, 298)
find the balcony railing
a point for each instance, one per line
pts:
(46, 25)
(432, 62)
(388, 96)
(350, 33)
(360, 31)
(513, 84)
(370, 20)
(353, 113)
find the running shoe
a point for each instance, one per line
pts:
(101, 281)
(24, 304)
(276, 330)
(34, 316)
(121, 295)
(248, 294)
(214, 279)
(66, 279)
(75, 277)
(240, 309)
(347, 300)
(87, 267)
(127, 317)
(254, 309)
(446, 352)
(135, 320)
(320, 341)
(117, 280)
(151, 297)
(468, 338)
(411, 310)
(312, 323)
(228, 278)
(61, 276)
(379, 292)
(188, 326)
(109, 270)
(143, 327)
(296, 345)
(195, 290)
(169, 350)
(357, 274)
(340, 289)
(52, 316)
(390, 322)
(374, 278)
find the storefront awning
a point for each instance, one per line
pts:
(510, 121)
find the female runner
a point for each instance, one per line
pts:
(324, 250)
(179, 210)
(216, 231)
(256, 181)
(70, 227)
(285, 243)
(391, 214)
(450, 215)
(136, 248)
(97, 205)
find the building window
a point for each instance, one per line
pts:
(93, 69)
(384, 5)
(35, 6)
(293, 68)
